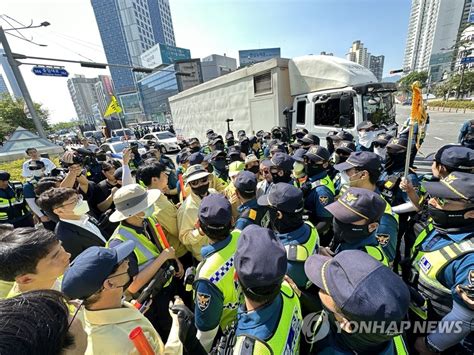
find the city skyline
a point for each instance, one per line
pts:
(209, 27)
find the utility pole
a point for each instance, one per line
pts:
(21, 83)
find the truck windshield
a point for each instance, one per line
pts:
(379, 108)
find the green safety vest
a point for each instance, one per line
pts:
(11, 208)
(145, 250)
(286, 338)
(305, 250)
(325, 181)
(377, 253)
(219, 269)
(430, 266)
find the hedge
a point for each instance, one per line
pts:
(14, 168)
(458, 104)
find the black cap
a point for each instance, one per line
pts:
(455, 156)
(310, 139)
(363, 160)
(317, 154)
(217, 140)
(260, 259)
(346, 147)
(277, 148)
(360, 285)
(246, 181)
(299, 155)
(229, 135)
(196, 158)
(397, 145)
(209, 131)
(218, 153)
(365, 125)
(241, 133)
(91, 268)
(383, 139)
(282, 160)
(456, 186)
(356, 204)
(343, 136)
(233, 150)
(216, 211)
(276, 129)
(193, 141)
(295, 145)
(118, 173)
(252, 140)
(4, 176)
(284, 197)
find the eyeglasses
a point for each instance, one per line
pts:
(199, 182)
(78, 199)
(76, 312)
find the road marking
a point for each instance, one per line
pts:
(440, 139)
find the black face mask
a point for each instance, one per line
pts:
(288, 223)
(219, 165)
(195, 149)
(230, 142)
(395, 161)
(201, 191)
(254, 169)
(210, 168)
(449, 219)
(341, 158)
(101, 157)
(313, 169)
(277, 178)
(219, 146)
(346, 232)
(244, 147)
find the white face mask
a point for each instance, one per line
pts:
(37, 173)
(149, 212)
(81, 208)
(366, 138)
(381, 152)
(344, 178)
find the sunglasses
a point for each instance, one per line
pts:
(199, 182)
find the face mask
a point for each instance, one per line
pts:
(254, 169)
(395, 161)
(244, 147)
(210, 168)
(349, 232)
(312, 169)
(37, 173)
(277, 178)
(341, 158)
(366, 138)
(195, 149)
(381, 152)
(81, 208)
(344, 178)
(148, 212)
(449, 219)
(230, 142)
(219, 146)
(201, 191)
(288, 223)
(219, 165)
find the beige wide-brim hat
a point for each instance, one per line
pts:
(132, 199)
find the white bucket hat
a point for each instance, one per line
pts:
(132, 199)
(195, 172)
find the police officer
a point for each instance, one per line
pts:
(351, 285)
(37, 170)
(214, 181)
(367, 132)
(318, 190)
(134, 210)
(256, 147)
(269, 322)
(219, 164)
(249, 211)
(299, 238)
(466, 134)
(216, 294)
(356, 219)
(298, 173)
(380, 145)
(362, 170)
(12, 204)
(443, 261)
(309, 140)
(281, 167)
(194, 145)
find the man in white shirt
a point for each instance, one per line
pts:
(34, 155)
(89, 146)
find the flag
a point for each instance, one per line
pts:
(114, 107)
(418, 113)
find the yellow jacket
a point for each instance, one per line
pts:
(230, 193)
(5, 287)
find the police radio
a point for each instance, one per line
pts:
(389, 188)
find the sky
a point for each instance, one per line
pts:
(298, 27)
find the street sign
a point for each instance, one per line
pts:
(49, 71)
(467, 60)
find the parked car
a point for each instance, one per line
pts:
(116, 148)
(166, 139)
(123, 134)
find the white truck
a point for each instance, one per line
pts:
(319, 93)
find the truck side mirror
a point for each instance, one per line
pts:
(345, 103)
(343, 121)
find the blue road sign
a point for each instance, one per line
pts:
(48, 71)
(466, 60)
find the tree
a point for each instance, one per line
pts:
(467, 82)
(12, 115)
(405, 83)
(442, 89)
(63, 125)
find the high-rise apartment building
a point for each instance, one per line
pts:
(358, 54)
(9, 74)
(83, 96)
(216, 65)
(129, 28)
(432, 32)
(376, 65)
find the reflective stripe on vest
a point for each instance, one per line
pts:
(145, 250)
(304, 251)
(286, 338)
(377, 253)
(400, 348)
(326, 181)
(430, 266)
(416, 253)
(219, 269)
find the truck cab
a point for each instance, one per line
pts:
(344, 96)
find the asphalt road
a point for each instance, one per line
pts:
(443, 129)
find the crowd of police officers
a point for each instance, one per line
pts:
(231, 248)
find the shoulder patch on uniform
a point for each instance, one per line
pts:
(383, 239)
(324, 200)
(471, 277)
(252, 214)
(203, 300)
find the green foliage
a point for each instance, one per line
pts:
(467, 82)
(405, 83)
(459, 104)
(15, 167)
(63, 125)
(12, 115)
